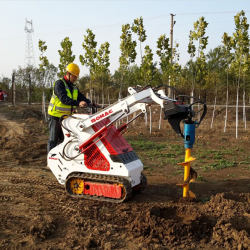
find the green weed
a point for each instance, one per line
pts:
(45, 130)
(205, 199)
(146, 167)
(205, 168)
(147, 145)
(178, 149)
(200, 178)
(178, 172)
(172, 161)
(222, 164)
(232, 175)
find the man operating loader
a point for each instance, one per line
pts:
(65, 98)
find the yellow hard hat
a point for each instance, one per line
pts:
(73, 69)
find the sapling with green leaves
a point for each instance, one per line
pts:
(227, 47)
(103, 64)
(138, 28)
(241, 51)
(44, 63)
(169, 68)
(66, 55)
(165, 53)
(148, 67)
(198, 36)
(128, 52)
(148, 70)
(89, 59)
(215, 60)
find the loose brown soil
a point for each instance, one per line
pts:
(36, 212)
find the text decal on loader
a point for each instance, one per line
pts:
(102, 115)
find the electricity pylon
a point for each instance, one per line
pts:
(29, 52)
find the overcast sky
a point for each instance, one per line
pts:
(55, 20)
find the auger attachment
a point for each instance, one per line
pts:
(190, 174)
(176, 112)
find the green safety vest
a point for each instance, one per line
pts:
(56, 107)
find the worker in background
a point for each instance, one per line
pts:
(65, 98)
(4, 96)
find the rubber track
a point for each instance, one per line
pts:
(101, 179)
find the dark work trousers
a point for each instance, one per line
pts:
(55, 132)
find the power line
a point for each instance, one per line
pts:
(214, 13)
(118, 24)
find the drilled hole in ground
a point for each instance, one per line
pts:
(235, 197)
(173, 214)
(241, 223)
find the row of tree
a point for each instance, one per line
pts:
(221, 74)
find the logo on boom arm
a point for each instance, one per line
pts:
(104, 114)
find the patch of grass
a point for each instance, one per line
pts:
(170, 155)
(201, 156)
(146, 167)
(245, 161)
(222, 164)
(232, 175)
(156, 155)
(162, 164)
(172, 161)
(178, 149)
(200, 178)
(178, 172)
(147, 145)
(205, 168)
(218, 156)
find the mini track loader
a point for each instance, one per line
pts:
(96, 162)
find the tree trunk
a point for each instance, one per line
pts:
(226, 107)
(160, 118)
(215, 99)
(150, 120)
(44, 106)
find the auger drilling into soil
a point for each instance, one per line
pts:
(96, 162)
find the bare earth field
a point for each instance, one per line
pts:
(36, 212)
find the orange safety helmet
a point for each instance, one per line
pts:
(73, 69)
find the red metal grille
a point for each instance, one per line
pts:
(114, 141)
(95, 160)
(101, 189)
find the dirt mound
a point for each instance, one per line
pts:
(22, 130)
(232, 229)
(221, 223)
